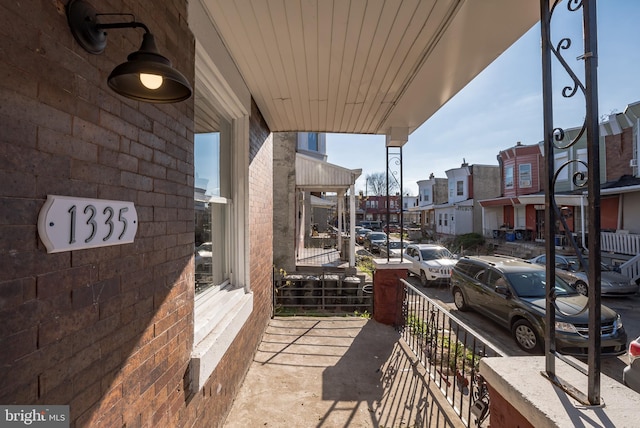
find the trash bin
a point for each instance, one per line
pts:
(350, 287)
(510, 236)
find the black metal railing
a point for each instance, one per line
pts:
(321, 294)
(450, 351)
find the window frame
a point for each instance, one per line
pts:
(525, 174)
(220, 315)
(509, 177)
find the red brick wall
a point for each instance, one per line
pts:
(619, 151)
(109, 331)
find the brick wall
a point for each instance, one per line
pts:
(109, 330)
(619, 151)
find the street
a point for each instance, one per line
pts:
(626, 306)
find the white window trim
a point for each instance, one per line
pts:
(221, 314)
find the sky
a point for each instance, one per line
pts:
(503, 104)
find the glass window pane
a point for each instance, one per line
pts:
(211, 211)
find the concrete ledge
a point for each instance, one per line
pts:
(391, 264)
(520, 382)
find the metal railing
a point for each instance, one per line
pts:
(321, 293)
(450, 351)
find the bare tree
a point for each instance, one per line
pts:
(377, 184)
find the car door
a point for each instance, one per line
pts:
(414, 258)
(497, 305)
(475, 287)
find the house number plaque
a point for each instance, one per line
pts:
(66, 223)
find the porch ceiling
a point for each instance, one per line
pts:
(362, 66)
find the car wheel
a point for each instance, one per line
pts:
(458, 300)
(582, 288)
(525, 336)
(423, 279)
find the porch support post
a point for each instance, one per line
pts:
(352, 226)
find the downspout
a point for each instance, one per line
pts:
(620, 206)
(582, 221)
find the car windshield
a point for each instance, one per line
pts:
(574, 265)
(204, 247)
(533, 284)
(376, 236)
(394, 245)
(436, 253)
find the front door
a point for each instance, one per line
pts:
(540, 225)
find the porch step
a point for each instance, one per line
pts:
(523, 250)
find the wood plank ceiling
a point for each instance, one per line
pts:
(363, 66)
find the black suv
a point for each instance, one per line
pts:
(512, 291)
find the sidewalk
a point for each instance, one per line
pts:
(335, 372)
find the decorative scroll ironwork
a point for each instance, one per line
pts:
(586, 175)
(394, 174)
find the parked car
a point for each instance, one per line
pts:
(203, 256)
(512, 292)
(570, 269)
(391, 228)
(432, 263)
(395, 249)
(631, 373)
(360, 235)
(374, 240)
(371, 224)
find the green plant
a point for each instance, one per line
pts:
(365, 264)
(364, 314)
(467, 242)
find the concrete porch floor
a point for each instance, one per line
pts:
(336, 372)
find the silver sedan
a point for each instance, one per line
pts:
(570, 269)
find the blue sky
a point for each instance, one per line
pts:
(503, 105)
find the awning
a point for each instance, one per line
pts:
(499, 202)
(315, 175)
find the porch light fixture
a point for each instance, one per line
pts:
(146, 76)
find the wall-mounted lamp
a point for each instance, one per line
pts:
(146, 76)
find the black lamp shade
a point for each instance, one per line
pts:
(125, 78)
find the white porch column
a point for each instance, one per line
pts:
(352, 226)
(340, 201)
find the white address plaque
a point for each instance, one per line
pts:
(66, 223)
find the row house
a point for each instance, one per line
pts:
(509, 216)
(518, 213)
(431, 192)
(374, 208)
(466, 186)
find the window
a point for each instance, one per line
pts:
(508, 177)
(560, 159)
(524, 175)
(582, 157)
(312, 141)
(211, 162)
(440, 219)
(224, 301)
(459, 188)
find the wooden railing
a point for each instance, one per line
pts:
(621, 243)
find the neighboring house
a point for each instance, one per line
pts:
(374, 208)
(431, 192)
(409, 215)
(301, 178)
(620, 241)
(467, 185)
(312, 144)
(508, 216)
